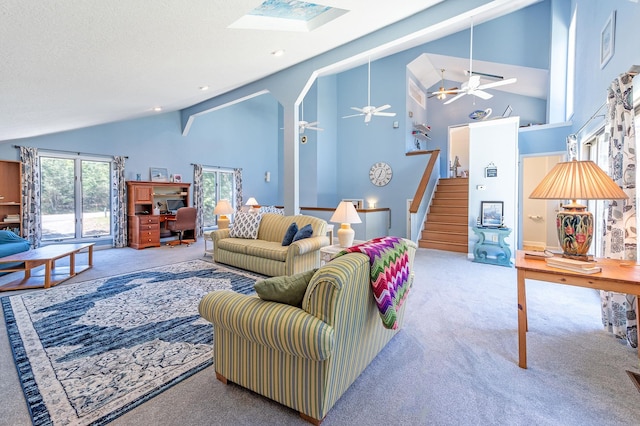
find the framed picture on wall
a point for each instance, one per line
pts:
(607, 40)
(491, 213)
(159, 175)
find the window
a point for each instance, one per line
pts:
(75, 197)
(571, 66)
(598, 152)
(218, 184)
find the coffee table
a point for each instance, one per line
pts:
(46, 256)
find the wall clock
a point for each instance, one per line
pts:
(380, 174)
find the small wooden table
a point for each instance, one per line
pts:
(46, 256)
(327, 252)
(617, 275)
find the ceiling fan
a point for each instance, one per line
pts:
(442, 93)
(473, 85)
(303, 125)
(369, 110)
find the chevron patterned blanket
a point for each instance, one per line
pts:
(390, 281)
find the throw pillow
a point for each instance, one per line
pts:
(304, 232)
(291, 232)
(245, 225)
(285, 289)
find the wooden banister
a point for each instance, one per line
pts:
(422, 187)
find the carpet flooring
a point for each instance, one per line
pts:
(89, 351)
(455, 361)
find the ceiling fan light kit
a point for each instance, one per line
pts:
(473, 85)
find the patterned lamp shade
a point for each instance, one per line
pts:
(576, 180)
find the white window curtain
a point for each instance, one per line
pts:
(619, 311)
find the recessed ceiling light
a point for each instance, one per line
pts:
(278, 52)
(203, 88)
(157, 109)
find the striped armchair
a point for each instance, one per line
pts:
(266, 255)
(304, 358)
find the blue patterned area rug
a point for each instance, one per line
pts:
(88, 352)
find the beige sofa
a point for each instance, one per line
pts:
(266, 255)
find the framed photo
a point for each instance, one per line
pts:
(607, 40)
(177, 178)
(159, 175)
(491, 213)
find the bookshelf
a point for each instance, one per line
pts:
(11, 196)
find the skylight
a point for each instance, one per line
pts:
(288, 15)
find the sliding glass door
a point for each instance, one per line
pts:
(75, 200)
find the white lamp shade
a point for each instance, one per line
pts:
(345, 213)
(223, 207)
(252, 202)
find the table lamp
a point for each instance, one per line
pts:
(252, 202)
(345, 214)
(576, 180)
(223, 208)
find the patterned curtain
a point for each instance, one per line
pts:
(198, 198)
(31, 219)
(237, 173)
(619, 311)
(119, 202)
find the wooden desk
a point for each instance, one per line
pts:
(614, 277)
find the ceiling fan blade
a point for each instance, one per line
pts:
(455, 98)
(315, 128)
(353, 115)
(310, 125)
(481, 94)
(381, 108)
(357, 109)
(384, 114)
(498, 83)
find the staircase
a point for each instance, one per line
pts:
(447, 223)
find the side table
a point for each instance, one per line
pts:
(491, 247)
(208, 237)
(327, 253)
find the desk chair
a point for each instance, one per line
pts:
(185, 220)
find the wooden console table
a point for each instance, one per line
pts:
(617, 275)
(46, 256)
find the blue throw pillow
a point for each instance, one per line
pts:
(304, 232)
(291, 232)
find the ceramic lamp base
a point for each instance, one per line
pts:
(223, 222)
(575, 233)
(346, 235)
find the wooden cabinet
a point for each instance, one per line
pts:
(146, 210)
(11, 196)
(144, 231)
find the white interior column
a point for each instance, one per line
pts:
(291, 184)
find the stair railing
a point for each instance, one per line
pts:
(427, 185)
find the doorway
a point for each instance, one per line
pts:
(539, 229)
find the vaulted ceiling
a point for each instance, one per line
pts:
(75, 63)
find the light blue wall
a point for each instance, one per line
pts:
(243, 135)
(592, 81)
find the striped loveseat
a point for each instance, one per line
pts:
(266, 255)
(304, 358)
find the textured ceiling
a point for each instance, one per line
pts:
(74, 63)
